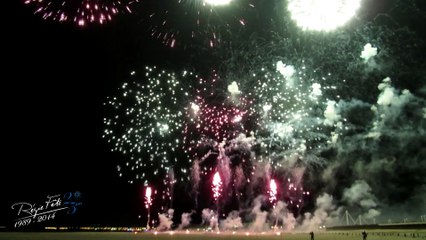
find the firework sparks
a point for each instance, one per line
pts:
(219, 122)
(322, 15)
(216, 186)
(208, 22)
(147, 121)
(148, 203)
(287, 101)
(82, 12)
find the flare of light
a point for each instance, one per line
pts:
(322, 15)
(81, 12)
(217, 186)
(217, 2)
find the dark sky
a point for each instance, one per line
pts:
(55, 80)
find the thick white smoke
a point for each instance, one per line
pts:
(282, 217)
(232, 222)
(195, 179)
(166, 221)
(390, 104)
(359, 193)
(316, 91)
(259, 224)
(185, 220)
(331, 114)
(368, 52)
(224, 167)
(287, 71)
(360, 196)
(233, 88)
(326, 213)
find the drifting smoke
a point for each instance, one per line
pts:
(329, 122)
(233, 88)
(210, 218)
(195, 179)
(185, 220)
(382, 143)
(259, 224)
(368, 52)
(316, 91)
(232, 222)
(287, 71)
(166, 221)
(359, 195)
(283, 217)
(324, 214)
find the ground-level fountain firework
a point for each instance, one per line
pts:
(290, 133)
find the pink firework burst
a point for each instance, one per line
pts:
(185, 22)
(82, 12)
(215, 115)
(220, 121)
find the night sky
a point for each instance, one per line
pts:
(56, 77)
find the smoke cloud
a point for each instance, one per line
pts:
(259, 224)
(166, 221)
(368, 52)
(210, 219)
(232, 222)
(185, 220)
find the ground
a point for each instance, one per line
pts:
(343, 235)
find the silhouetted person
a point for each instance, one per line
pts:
(312, 235)
(364, 235)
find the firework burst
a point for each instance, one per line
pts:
(82, 12)
(216, 116)
(290, 105)
(147, 121)
(180, 22)
(295, 115)
(322, 15)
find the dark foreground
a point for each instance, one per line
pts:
(347, 235)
